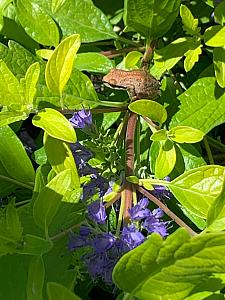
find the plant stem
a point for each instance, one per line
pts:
(138, 150)
(166, 210)
(208, 151)
(215, 144)
(65, 232)
(27, 186)
(120, 218)
(149, 49)
(119, 52)
(129, 169)
(113, 200)
(151, 123)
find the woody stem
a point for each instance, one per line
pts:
(129, 168)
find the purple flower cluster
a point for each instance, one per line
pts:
(106, 251)
(150, 219)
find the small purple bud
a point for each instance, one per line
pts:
(81, 119)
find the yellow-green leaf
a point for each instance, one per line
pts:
(60, 64)
(192, 57)
(10, 90)
(29, 82)
(190, 24)
(55, 124)
(219, 65)
(214, 36)
(166, 159)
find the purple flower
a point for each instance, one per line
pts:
(103, 242)
(96, 212)
(81, 119)
(139, 211)
(131, 236)
(153, 223)
(76, 241)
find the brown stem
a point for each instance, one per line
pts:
(129, 170)
(119, 52)
(150, 122)
(150, 46)
(165, 209)
(96, 110)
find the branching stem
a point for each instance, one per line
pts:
(165, 209)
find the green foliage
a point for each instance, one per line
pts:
(60, 64)
(57, 291)
(151, 18)
(55, 125)
(53, 55)
(177, 265)
(150, 109)
(48, 200)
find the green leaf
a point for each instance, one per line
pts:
(57, 4)
(93, 62)
(185, 134)
(13, 156)
(13, 276)
(49, 199)
(8, 117)
(60, 64)
(35, 280)
(17, 58)
(219, 65)
(190, 24)
(34, 245)
(197, 189)
(167, 57)
(151, 18)
(151, 109)
(159, 135)
(31, 79)
(109, 119)
(166, 159)
(192, 56)
(177, 265)
(202, 106)
(37, 24)
(55, 124)
(57, 291)
(214, 36)
(130, 61)
(10, 226)
(61, 158)
(80, 92)
(6, 187)
(84, 18)
(219, 13)
(3, 5)
(10, 90)
(216, 208)
(44, 53)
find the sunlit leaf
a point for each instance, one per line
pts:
(60, 64)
